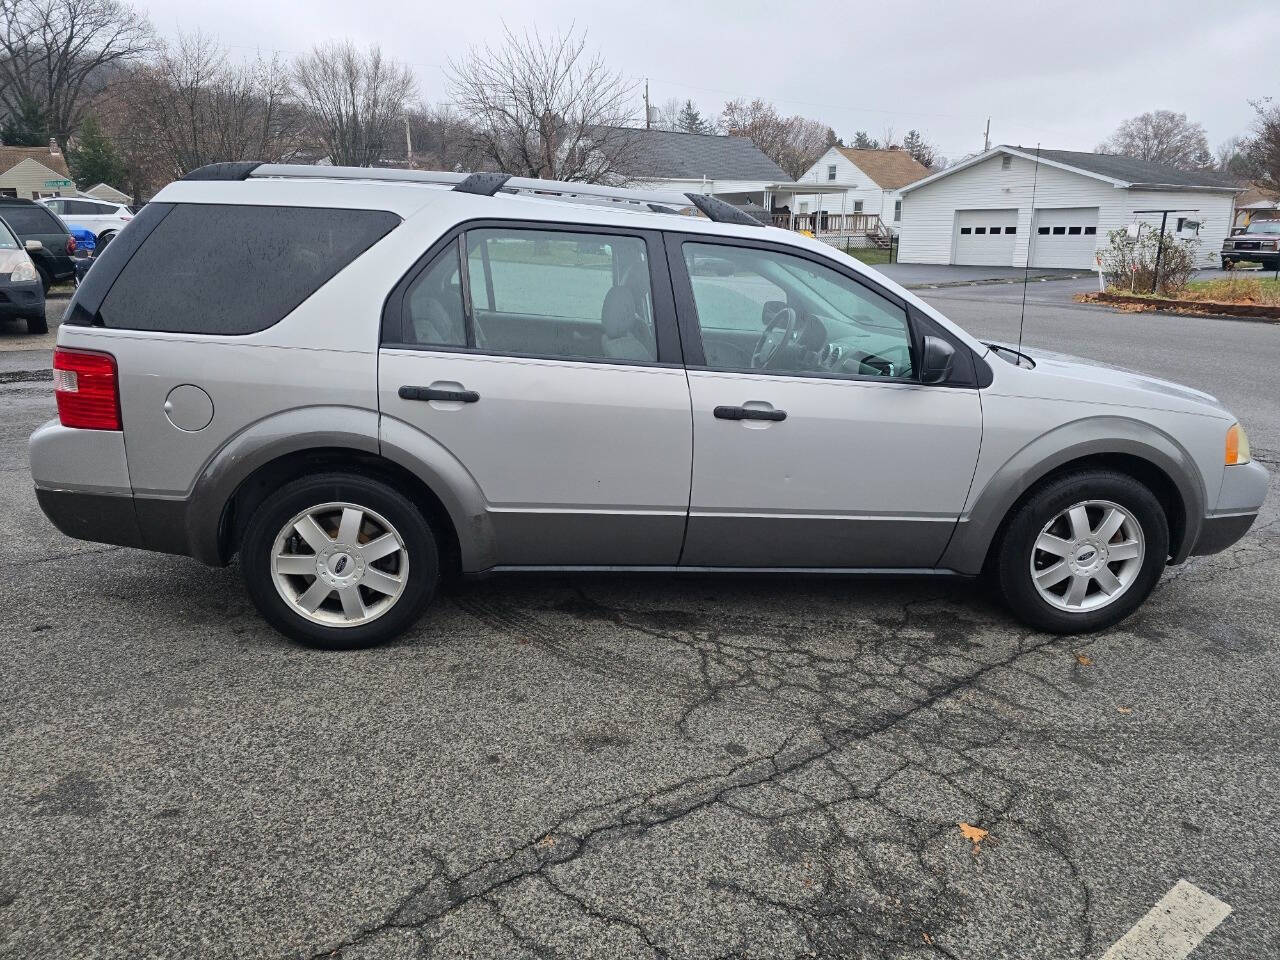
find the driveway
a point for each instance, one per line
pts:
(645, 767)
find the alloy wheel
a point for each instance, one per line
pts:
(1087, 556)
(339, 564)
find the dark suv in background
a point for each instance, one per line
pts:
(30, 221)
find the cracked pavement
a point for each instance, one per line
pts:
(644, 766)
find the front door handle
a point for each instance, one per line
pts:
(435, 393)
(748, 413)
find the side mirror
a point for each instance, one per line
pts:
(34, 245)
(936, 359)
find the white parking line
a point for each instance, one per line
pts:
(1173, 927)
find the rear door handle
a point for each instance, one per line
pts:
(435, 393)
(748, 413)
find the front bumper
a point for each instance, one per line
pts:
(21, 299)
(1244, 487)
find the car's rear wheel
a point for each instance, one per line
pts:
(339, 561)
(1083, 552)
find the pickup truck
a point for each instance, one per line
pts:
(1259, 242)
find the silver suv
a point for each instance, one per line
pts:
(361, 381)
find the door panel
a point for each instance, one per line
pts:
(1065, 237)
(813, 444)
(859, 474)
(985, 237)
(579, 463)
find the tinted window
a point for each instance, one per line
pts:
(762, 310)
(7, 240)
(1010, 229)
(433, 312)
(231, 269)
(559, 294)
(28, 221)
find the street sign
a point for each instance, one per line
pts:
(59, 183)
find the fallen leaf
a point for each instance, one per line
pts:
(547, 841)
(927, 939)
(974, 835)
(1083, 660)
(1124, 709)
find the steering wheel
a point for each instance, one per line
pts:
(779, 329)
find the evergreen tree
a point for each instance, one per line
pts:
(25, 128)
(862, 141)
(94, 159)
(916, 145)
(691, 120)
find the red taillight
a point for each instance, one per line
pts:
(71, 245)
(87, 389)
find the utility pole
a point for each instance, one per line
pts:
(647, 114)
(408, 143)
(986, 137)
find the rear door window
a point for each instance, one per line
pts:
(30, 221)
(236, 269)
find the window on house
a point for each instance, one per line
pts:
(1090, 231)
(804, 207)
(1059, 231)
(1073, 231)
(965, 230)
(897, 210)
(995, 231)
(857, 206)
(1006, 162)
(982, 230)
(1010, 229)
(1043, 231)
(831, 171)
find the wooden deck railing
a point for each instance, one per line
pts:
(841, 224)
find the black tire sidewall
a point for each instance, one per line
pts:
(1025, 525)
(37, 324)
(385, 499)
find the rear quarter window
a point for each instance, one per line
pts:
(236, 269)
(31, 221)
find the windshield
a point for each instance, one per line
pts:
(1263, 226)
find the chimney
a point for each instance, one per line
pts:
(53, 145)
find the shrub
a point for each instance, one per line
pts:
(1130, 264)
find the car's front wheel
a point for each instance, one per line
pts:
(37, 323)
(339, 561)
(1083, 552)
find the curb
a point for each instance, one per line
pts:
(1250, 313)
(1042, 278)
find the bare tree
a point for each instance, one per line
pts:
(1161, 136)
(356, 101)
(191, 106)
(1263, 149)
(793, 143)
(666, 115)
(546, 107)
(442, 139)
(55, 53)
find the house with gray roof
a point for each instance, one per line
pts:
(1023, 206)
(731, 168)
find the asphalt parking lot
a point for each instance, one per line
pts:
(645, 767)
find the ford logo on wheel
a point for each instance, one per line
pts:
(340, 565)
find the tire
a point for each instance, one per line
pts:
(1133, 574)
(45, 280)
(1228, 264)
(37, 323)
(281, 593)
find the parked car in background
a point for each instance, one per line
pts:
(103, 217)
(30, 221)
(1259, 242)
(359, 380)
(21, 295)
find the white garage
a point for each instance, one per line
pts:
(1064, 237)
(1017, 207)
(985, 237)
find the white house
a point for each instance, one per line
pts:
(981, 210)
(862, 181)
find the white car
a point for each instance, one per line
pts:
(103, 217)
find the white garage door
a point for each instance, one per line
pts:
(986, 237)
(1065, 237)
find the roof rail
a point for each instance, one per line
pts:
(488, 184)
(226, 170)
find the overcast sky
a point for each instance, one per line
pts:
(1062, 73)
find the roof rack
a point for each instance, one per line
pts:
(488, 184)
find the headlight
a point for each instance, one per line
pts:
(1237, 446)
(24, 272)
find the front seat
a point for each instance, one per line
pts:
(623, 325)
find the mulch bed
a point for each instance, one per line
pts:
(1263, 313)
